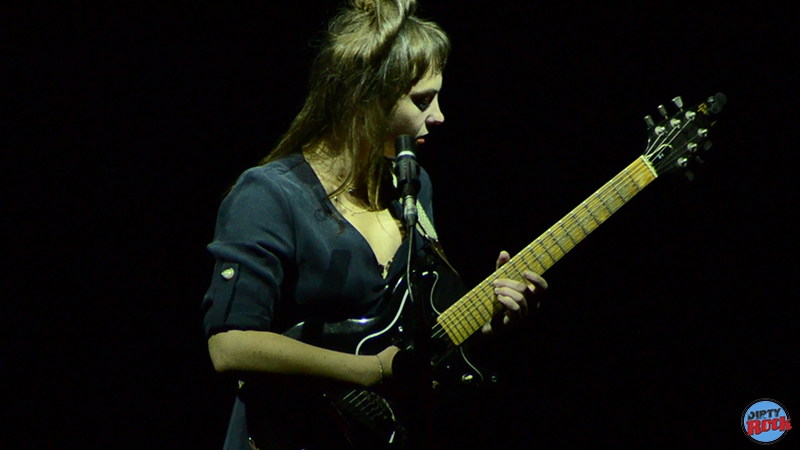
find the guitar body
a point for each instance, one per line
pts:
(280, 410)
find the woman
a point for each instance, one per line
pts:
(313, 234)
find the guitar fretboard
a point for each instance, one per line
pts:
(479, 305)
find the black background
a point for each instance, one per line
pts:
(125, 125)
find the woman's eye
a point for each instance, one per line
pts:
(423, 103)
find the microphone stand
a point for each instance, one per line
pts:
(408, 182)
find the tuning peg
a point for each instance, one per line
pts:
(692, 147)
(702, 132)
(717, 102)
(690, 175)
(678, 101)
(662, 111)
(699, 160)
(683, 162)
(690, 115)
(707, 145)
(648, 119)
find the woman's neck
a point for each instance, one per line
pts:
(332, 168)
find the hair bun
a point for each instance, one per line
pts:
(405, 7)
(364, 5)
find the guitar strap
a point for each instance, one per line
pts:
(425, 228)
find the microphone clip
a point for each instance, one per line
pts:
(407, 172)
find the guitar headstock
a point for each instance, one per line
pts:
(677, 141)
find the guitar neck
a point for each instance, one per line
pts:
(479, 305)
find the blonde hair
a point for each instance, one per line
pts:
(373, 53)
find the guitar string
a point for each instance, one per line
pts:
(570, 227)
(368, 405)
(484, 294)
(625, 187)
(486, 297)
(625, 195)
(362, 398)
(355, 408)
(629, 188)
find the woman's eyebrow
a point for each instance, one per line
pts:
(425, 92)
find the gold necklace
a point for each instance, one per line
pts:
(344, 206)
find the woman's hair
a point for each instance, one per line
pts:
(373, 53)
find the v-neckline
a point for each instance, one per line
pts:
(322, 195)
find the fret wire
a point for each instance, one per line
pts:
(511, 265)
(468, 313)
(563, 252)
(538, 254)
(597, 194)
(445, 320)
(600, 208)
(487, 297)
(458, 312)
(536, 258)
(481, 299)
(457, 325)
(605, 194)
(585, 233)
(638, 188)
(488, 300)
(637, 172)
(629, 187)
(484, 311)
(572, 229)
(456, 329)
(589, 210)
(571, 224)
(614, 185)
(568, 235)
(456, 321)
(447, 325)
(544, 247)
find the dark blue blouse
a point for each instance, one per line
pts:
(284, 254)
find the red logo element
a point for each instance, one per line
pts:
(760, 426)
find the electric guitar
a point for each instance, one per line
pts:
(373, 418)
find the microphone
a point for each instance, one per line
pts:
(406, 170)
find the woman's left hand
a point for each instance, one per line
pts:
(516, 295)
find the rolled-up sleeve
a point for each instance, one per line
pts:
(253, 240)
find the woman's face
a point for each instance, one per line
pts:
(416, 111)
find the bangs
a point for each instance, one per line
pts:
(428, 49)
(419, 48)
